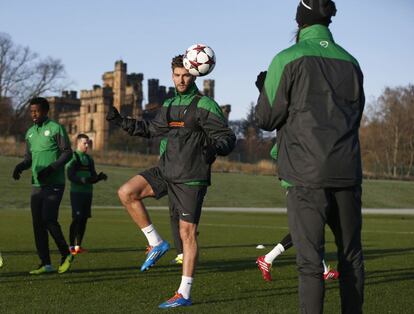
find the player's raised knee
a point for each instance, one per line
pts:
(124, 193)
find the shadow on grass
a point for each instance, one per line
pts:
(222, 265)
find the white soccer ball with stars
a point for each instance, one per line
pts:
(199, 60)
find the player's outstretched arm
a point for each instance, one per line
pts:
(143, 128)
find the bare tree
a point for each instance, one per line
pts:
(387, 134)
(24, 75)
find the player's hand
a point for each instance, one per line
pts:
(113, 115)
(102, 176)
(45, 173)
(17, 172)
(260, 80)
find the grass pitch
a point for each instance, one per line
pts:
(107, 278)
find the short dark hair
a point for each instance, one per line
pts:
(81, 136)
(177, 62)
(40, 101)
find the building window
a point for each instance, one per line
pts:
(95, 108)
(91, 125)
(75, 129)
(89, 109)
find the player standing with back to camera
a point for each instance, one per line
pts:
(196, 132)
(313, 96)
(47, 151)
(82, 175)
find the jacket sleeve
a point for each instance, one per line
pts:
(362, 93)
(27, 161)
(272, 105)
(147, 128)
(92, 167)
(62, 141)
(216, 127)
(71, 168)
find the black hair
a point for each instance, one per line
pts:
(177, 62)
(40, 101)
(81, 136)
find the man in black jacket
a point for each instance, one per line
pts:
(195, 131)
(313, 96)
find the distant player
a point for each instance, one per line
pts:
(196, 132)
(82, 175)
(47, 151)
(264, 262)
(1, 261)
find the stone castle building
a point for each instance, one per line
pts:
(119, 89)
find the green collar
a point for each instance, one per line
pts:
(192, 90)
(43, 123)
(316, 31)
(80, 153)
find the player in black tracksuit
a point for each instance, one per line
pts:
(195, 131)
(82, 175)
(313, 96)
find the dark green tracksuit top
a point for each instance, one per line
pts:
(313, 96)
(47, 144)
(78, 169)
(184, 158)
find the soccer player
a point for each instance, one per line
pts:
(1, 261)
(264, 262)
(313, 96)
(47, 151)
(195, 131)
(82, 175)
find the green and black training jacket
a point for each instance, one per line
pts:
(190, 123)
(47, 144)
(313, 96)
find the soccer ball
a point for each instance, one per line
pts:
(199, 60)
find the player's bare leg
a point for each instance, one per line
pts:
(131, 195)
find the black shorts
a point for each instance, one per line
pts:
(156, 180)
(81, 204)
(185, 200)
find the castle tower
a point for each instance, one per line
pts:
(94, 107)
(134, 94)
(120, 78)
(153, 85)
(208, 88)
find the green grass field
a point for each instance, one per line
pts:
(107, 278)
(228, 190)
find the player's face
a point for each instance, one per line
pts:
(182, 79)
(37, 113)
(83, 145)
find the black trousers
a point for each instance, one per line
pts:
(309, 210)
(45, 203)
(81, 211)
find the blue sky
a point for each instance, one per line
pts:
(89, 36)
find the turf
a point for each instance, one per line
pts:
(228, 190)
(107, 278)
